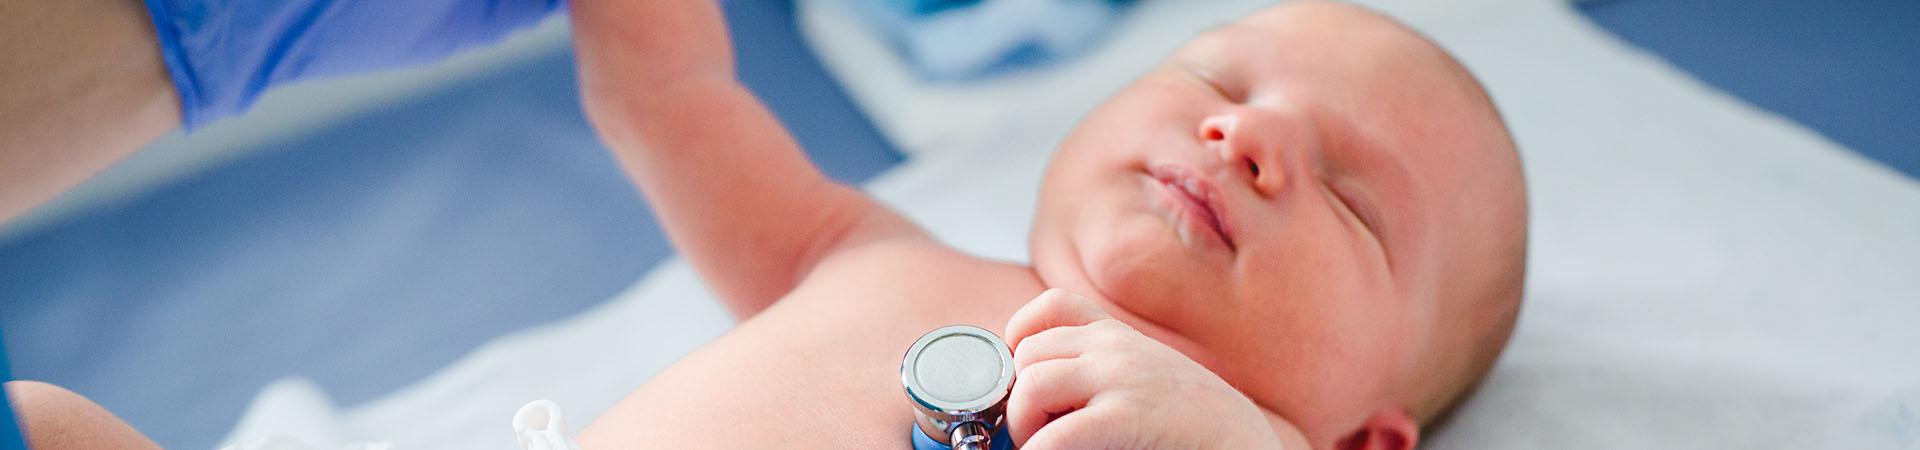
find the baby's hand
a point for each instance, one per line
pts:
(1085, 380)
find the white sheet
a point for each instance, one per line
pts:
(1703, 275)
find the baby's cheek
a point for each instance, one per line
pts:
(1309, 310)
(1321, 277)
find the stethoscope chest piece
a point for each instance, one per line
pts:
(958, 377)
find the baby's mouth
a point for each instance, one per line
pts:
(1196, 197)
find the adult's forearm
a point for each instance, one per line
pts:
(82, 85)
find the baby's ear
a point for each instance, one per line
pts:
(1389, 429)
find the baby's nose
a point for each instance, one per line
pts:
(1231, 137)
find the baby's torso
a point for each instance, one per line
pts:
(820, 368)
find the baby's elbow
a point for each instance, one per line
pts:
(54, 418)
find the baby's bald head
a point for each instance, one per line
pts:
(1357, 264)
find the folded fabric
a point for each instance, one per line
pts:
(959, 39)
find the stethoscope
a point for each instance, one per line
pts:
(958, 377)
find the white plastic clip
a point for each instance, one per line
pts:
(540, 427)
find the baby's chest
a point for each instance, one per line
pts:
(824, 363)
(888, 298)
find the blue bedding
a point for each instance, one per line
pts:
(1850, 70)
(370, 254)
(367, 255)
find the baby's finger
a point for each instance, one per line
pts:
(1086, 428)
(1046, 390)
(1053, 308)
(1052, 343)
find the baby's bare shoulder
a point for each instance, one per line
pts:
(922, 276)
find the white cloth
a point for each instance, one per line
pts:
(1703, 274)
(539, 425)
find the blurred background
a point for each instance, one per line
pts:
(364, 232)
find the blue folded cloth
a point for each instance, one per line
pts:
(963, 39)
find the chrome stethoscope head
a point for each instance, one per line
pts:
(958, 377)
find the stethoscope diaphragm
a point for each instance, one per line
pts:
(958, 377)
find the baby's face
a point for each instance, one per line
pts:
(1280, 200)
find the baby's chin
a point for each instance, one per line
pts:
(1153, 276)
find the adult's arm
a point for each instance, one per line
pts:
(82, 85)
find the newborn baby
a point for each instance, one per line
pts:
(1304, 229)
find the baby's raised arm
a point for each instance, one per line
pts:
(731, 187)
